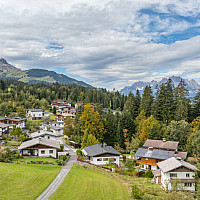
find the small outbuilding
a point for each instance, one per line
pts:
(100, 154)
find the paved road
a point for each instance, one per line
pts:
(60, 177)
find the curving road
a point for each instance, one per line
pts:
(60, 177)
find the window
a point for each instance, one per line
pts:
(99, 159)
(43, 152)
(105, 159)
(188, 184)
(172, 175)
(48, 137)
(50, 151)
(187, 175)
(146, 158)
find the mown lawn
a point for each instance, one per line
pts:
(88, 184)
(18, 182)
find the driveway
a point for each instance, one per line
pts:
(60, 177)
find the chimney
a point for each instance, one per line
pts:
(150, 148)
(164, 139)
(179, 158)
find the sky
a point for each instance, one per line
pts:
(106, 43)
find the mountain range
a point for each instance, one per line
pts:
(191, 85)
(8, 71)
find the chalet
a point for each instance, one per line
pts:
(4, 128)
(78, 104)
(65, 111)
(39, 147)
(100, 154)
(57, 124)
(34, 114)
(148, 158)
(60, 102)
(175, 169)
(56, 130)
(155, 151)
(44, 134)
(13, 121)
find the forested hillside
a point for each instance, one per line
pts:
(168, 114)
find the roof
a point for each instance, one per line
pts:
(13, 118)
(172, 145)
(154, 153)
(43, 141)
(192, 159)
(156, 172)
(98, 149)
(181, 154)
(173, 163)
(35, 110)
(42, 133)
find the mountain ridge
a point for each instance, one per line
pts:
(8, 71)
(191, 85)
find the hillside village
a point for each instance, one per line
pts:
(47, 138)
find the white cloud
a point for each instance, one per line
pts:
(106, 42)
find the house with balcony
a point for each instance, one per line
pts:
(155, 151)
(13, 121)
(60, 102)
(175, 171)
(39, 147)
(65, 111)
(34, 114)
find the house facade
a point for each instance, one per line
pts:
(155, 151)
(4, 128)
(100, 154)
(39, 147)
(175, 171)
(65, 111)
(34, 114)
(13, 121)
(60, 102)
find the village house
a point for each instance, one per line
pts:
(34, 114)
(175, 170)
(55, 129)
(4, 128)
(39, 147)
(78, 104)
(65, 111)
(57, 124)
(60, 102)
(13, 121)
(44, 134)
(155, 151)
(100, 154)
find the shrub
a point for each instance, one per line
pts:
(79, 152)
(148, 174)
(136, 192)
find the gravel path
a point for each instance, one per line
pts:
(60, 177)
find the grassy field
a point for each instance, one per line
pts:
(18, 182)
(52, 117)
(87, 184)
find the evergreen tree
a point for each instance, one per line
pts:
(130, 106)
(182, 102)
(147, 100)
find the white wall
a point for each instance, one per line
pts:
(165, 180)
(47, 154)
(103, 160)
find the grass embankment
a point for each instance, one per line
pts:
(25, 181)
(88, 184)
(52, 117)
(49, 160)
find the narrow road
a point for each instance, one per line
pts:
(60, 177)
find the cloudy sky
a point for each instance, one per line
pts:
(107, 43)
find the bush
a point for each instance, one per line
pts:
(79, 152)
(130, 164)
(136, 192)
(148, 174)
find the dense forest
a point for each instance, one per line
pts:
(166, 114)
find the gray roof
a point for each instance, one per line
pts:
(43, 141)
(98, 149)
(36, 110)
(42, 133)
(13, 118)
(160, 144)
(181, 154)
(3, 125)
(173, 163)
(154, 153)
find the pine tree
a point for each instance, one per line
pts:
(147, 100)
(182, 102)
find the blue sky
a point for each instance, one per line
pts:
(106, 43)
